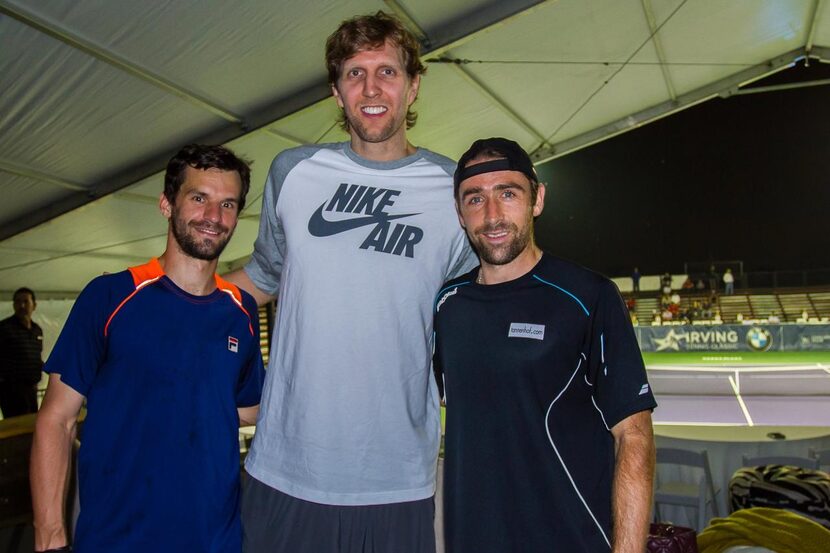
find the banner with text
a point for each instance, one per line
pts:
(766, 337)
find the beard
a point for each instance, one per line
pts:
(205, 249)
(385, 133)
(501, 254)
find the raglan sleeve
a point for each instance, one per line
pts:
(81, 346)
(616, 368)
(252, 375)
(463, 259)
(265, 267)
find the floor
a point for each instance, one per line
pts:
(771, 395)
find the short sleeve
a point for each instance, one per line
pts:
(252, 375)
(616, 367)
(81, 346)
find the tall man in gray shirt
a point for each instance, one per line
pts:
(355, 238)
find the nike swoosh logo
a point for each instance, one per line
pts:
(320, 227)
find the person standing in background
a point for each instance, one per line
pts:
(21, 348)
(728, 282)
(713, 278)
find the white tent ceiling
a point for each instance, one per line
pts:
(96, 96)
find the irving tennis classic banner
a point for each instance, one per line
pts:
(766, 337)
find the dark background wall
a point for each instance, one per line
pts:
(743, 178)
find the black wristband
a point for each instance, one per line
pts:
(56, 549)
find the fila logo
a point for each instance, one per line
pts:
(233, 344)
(526, 330)
(399, 239)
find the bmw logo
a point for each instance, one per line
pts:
(759, 339)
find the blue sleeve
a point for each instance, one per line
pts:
(81, 346)
(249, 387)
(616, 366)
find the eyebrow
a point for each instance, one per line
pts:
(497, 187)
(202, 192)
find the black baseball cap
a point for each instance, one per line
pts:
(507, 154)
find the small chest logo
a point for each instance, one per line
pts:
(526, 330)
(233, 344)
(444, 298)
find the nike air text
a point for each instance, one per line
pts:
(399, 239)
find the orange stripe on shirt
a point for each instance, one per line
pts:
(152, 271)
(233, 291)
(142, 276)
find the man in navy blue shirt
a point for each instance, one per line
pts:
(549, 443)
(166, 356)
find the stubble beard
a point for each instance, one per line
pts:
(204, 249)
(385, 133)
(505, 253)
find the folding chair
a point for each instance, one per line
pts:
(696, 494)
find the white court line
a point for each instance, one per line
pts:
(694, 368)
(700, 424)
(741, 401)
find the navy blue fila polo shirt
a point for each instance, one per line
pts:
(536, 372)
(163, 372)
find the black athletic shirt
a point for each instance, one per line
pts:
(20, 351)
(536, 372)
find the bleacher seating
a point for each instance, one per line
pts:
(730, 306)
(764, 305)
(793, 305)
(645, 307)
(821, 303)
(788, 304)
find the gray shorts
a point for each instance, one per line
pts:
(274, 522)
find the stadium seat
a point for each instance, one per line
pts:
(697, 494)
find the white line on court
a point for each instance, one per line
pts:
(741, 401)
(753, 369)
(692, 423)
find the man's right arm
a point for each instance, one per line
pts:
(55, 429)
(242, 280)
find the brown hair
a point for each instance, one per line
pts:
(200, 156)
(367, 32)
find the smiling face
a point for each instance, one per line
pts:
(375, 93)
(205, 213)
(497, 210)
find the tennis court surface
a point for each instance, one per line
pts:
(735, 391)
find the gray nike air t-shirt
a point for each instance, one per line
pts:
(356, 251)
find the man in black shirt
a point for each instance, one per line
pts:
(549, 443)
(21, 346)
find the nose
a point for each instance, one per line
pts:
(370, 86)
(492, 210)
(213, 212)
